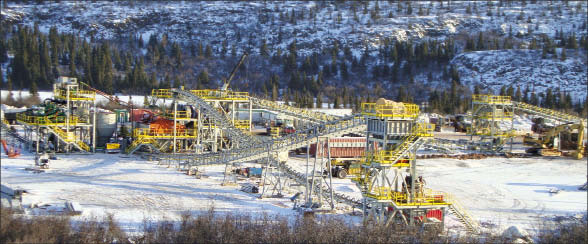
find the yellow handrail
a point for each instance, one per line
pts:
(404, 111)
(164, 133)
(49, 120)
(161, 93)
(242, 124)
(424, 197)
(222, 95)
(182, 114)
(491, 99)
(75, 94)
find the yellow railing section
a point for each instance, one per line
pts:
(221, 95)
(242, 124)
(205, 94)
(70, 138)
(162, 93)
(424, 197)
(75, 94)
(183, 114)
(164, 133)
(49, 120)
(404, 111)
(380, 193)
(491, 99)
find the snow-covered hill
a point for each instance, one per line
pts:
(519, 68)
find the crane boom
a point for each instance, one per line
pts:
(228, 81)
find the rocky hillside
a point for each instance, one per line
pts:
(522, 68)
(339, 35)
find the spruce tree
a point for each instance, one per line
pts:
(208, 53)
(33, 90)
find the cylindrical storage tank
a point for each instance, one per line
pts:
(105, 127)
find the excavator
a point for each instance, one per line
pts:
(567, 138)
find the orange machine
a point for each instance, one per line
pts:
(11, 152)
(165, 126)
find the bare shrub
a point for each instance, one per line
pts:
(574, 232)
(211, 227)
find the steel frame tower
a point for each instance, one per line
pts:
(388, 180)
(76, 127)
(487, 112)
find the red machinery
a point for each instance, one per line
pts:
(12, 151)
(165, 126)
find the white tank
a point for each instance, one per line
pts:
(105, 126)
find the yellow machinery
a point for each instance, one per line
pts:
(67, 117)
(567, 137)
(113, 147)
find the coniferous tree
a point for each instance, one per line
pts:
(208, 53)
(33, 90)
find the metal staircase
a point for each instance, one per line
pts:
(548, 113)
(237, 135)
(62, 135)
(299, 113)
(460, 212)
(417, 138)
(143, 142)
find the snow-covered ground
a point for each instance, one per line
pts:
(499, 192)
(132, 189)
